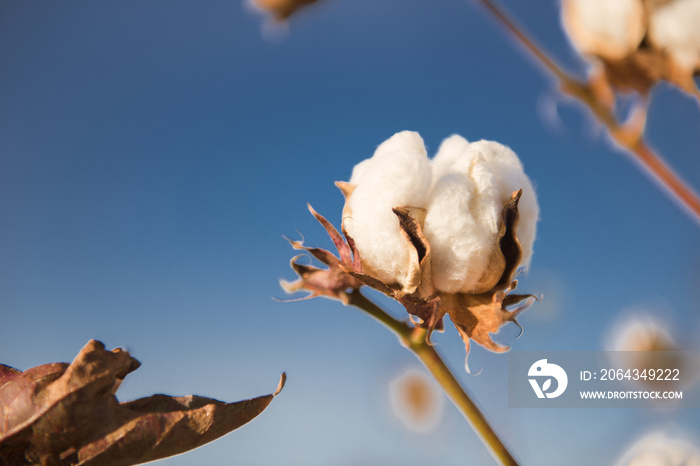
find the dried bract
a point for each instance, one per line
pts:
(332, 282)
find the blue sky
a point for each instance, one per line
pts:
(154, 153)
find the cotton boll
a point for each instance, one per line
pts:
(659, 448)
(462, 249)
(609, 29)
(498, 172)
(450, 149)
(675, 26)
(398, 174)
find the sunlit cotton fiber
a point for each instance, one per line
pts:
(606, 28)
(398, 174)
(675, 27)
(464, 216)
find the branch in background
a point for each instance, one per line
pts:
(629, 136)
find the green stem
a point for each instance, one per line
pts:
(415, 340)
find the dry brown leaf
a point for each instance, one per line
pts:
(67, 414)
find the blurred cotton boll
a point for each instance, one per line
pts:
(609, 29)
(640, 332)
(674, 26)
(416, 400)
(661, 449)
(640, 341)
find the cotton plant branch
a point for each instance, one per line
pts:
(629, 136)
(414, 340)
(405, 250)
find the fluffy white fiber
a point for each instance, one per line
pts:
(605, 28)
(464, 215)
(675, 26)
(397, 175)
(464, 189)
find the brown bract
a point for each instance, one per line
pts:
(476, 316)
(332, 282)
(67, 414)
(281, 10)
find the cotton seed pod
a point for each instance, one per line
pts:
(674, 27)
(609, 29)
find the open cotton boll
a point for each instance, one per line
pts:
(462, 247)
(498, 172)
(398, 174)
(675, 26)
(609, 29)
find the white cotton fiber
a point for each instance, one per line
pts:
(464, 189)
(460, 245)
(606, 28)
(450, 149)
(464, 216)
(509, 176)
(675, 27)
(398, 174)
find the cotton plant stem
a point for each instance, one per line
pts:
(415, 340)
(632, 141)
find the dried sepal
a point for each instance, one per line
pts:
(334, 281)
(67, 414)
(418, 270)
(476, 317)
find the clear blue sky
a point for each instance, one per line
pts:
(153, 153)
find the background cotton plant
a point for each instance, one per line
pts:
(638, 43)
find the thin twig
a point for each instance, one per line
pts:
(415, 340)
(634, 143)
